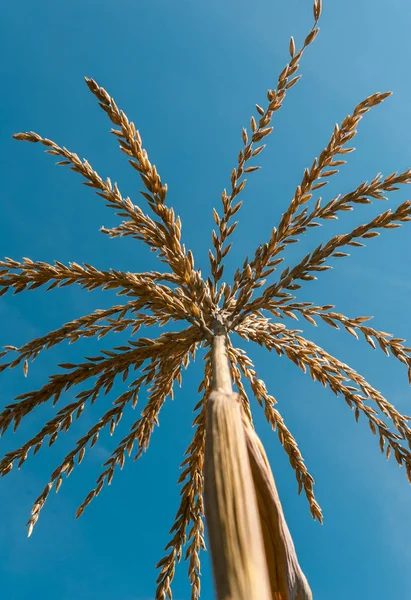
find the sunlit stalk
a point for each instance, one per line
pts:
(234, 529)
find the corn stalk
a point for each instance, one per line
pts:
(252, 551)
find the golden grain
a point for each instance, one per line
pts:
(210, 307)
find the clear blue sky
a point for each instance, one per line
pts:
(189, 73)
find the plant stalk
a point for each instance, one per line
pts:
(232, 516)
(252, 551)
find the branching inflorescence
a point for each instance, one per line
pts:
(182, 294)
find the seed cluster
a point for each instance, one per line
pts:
(181, 294)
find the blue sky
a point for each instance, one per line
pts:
(189, 73)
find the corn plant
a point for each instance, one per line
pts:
(226, 477)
